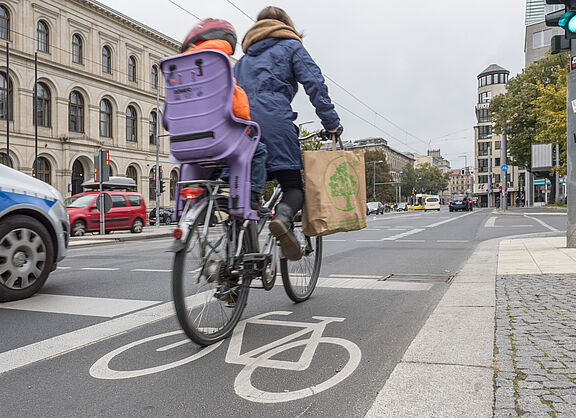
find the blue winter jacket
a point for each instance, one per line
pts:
(269, 73)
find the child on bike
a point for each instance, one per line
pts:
(274, 64)
(219, 34)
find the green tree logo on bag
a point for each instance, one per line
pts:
(343, 183)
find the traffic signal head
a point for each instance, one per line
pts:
(161, 186)
(564, 18)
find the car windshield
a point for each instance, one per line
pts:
(432, 199)
(372, 204)
(78, 201)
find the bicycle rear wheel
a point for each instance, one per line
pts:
(300, 277)
(208, 300)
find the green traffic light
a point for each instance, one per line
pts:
(568, 21)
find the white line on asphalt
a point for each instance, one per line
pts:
(447, 220)
(411, 240)
(399, 229)
(371, 229)
(452, 240)
(358, 276)
(360, 284)
(490, 222)
(334, 240)
(541, 222)
(403, 234)
(99, 269)
(62, 268)
(521, 226)
(151, 271)
(368, 240)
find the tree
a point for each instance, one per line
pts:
(533, 109)
(408, 180)
(425, 179)
(377, 169)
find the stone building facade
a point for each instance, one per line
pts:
(461, 180)
(396, 160)
(98, 79)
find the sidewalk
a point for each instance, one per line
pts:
(149, 232)
(501, 342)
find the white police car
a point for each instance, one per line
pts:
(33, 233)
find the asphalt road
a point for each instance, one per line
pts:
(101, 339)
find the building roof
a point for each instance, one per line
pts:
(492, 69)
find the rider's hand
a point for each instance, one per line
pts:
(336, 131)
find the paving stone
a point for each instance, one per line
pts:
(505, 413)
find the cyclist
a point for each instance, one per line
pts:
(275, 61)
(219, 34)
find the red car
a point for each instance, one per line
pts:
(128, 212)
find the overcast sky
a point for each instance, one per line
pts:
(413, 62)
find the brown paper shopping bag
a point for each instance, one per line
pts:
(335, 191)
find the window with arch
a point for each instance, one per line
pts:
(132, 173)
(43, 116)
(131, 124)
(152, 126)
(43, 170)
(42, 36)
(154, 74)
(151, 185)
(105, 118)
(6, 94)
(4, 23)
(106, 60)
(173, 184)
(132, 68)
(77, 49)
(4, 160)
(76, 112)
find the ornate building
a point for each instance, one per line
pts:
(98, 79)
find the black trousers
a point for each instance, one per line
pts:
(292, 187)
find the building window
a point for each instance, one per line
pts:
(483, 148)
(132, 69)
(152, 185)
(152, 125)
(106, 60)
(497, 144)
(484, 132)
(4, 160)
(105, 118)
(42, 105)
(4, 96)
(154, 74)
(43, 170)
(173, 184)
(77, 49)
(485, 97)
(482, 179)
(483, 116)
(542, 38)
(483, 165)
(42, 36)
(131, 124)
(4, 23)
(131, 173)
(76, 112)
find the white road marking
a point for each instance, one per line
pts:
(522, 226)
(541, 222)
(358, 276)
(490, 222)
(62, 268)
(452, 240)
(399, 229)
(448, 220)
(151, 271)
(361, 284)
(78, 305)
(334, 240)
(99, 269)
(368, 240)
(403, 234)
(411, 240)
(372, 229)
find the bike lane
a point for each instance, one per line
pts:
(332, 368)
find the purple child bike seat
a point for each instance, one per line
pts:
(198, 115)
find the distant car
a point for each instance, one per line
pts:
(460, 202)
(431, 203)
(374, 208)
(33, 233)
(128, 212)
(165, 215)
(402, 207)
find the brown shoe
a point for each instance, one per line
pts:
(288, 243)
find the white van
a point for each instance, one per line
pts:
(432, 203)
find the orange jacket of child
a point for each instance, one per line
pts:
(240, 106)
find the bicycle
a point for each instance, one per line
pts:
(218, 256)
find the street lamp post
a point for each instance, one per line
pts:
(374, 178)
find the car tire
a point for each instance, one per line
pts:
(78, 229)
(137, 226)
(28, 254)
(167, 220)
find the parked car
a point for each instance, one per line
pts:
(374, 208)
(165, 215)
(460, 202)
(128, 212)
(402, 207)
(33, 233)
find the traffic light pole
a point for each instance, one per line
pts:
(504, 173)
(157, 169)
(571, 152)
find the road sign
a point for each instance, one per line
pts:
(504, 167)
(107, 202)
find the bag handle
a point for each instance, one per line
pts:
(335, 138)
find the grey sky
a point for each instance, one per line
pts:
(414, 62)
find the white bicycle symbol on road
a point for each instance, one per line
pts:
(260, 357)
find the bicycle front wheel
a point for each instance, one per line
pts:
(300, 277)
(209, 301)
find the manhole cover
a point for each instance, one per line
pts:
(422, 278)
